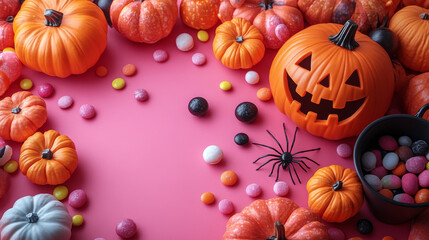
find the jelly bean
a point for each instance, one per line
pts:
(391, 181)
(390, 161)
(420, 147)
(87, 111)
(416, 164)
(400, 169)
(387, 193)
(101, 71)
(77, 198)
(373, 181)
(252, 77)
(281, 188)
(229, 178)
(225, 206)
(141, 95)
(5, 154)
(404, 153)
(364, 226)
(404, 198)
(378, 157)
(427, 166)
(225, 85)
(207, 198)
(212, 154)
(410, 183)
(118, 83)
(11, 166)
(424, 178)
(184, 42)
(246, 112)
(203, 36)
(253, 190)
(61, 192)
(264, 94)
(129, 69)
(336, 234)
(379, 171)
(388, 238)
(241, 139)
(199, 59)
(26, 84)
(344, 150)
(422, 196)
(160, 56)
(405, 141)
(368, 161)
(126, 228)
(45, 90)
(387, 143)
(77, 220)
(8, 49)
(65, 102)
(198, 106)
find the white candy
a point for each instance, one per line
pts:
(390, 161)
(374, 181)
(184, 42)
(405, 141)
(369, 161)
(252, 77)
(212, 154)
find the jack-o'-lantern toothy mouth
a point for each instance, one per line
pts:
(325, 107)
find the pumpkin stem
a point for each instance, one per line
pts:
(9, 19)
(266, 4)
(32, 217)
(424, 16)
(239, 39)
(337, 186)
(280, 233)
(53, 18)
(47, 154)
(346, 37)
(16, 110)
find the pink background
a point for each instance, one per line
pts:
(144, 160)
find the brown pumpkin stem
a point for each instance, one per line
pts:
(9, 19)
(280, 233)
(53, 18)
(47, 154)
(32, 217)
(16, 110)
(239, 39)
(346, 37)
(424, 16)
(266, 4)
(337, 186)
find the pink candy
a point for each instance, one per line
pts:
(141, 95)
(281, 188)
(77, 198)
(160, 56)
(379, 172)
(404, 198)
(225, 206)
(253, 190)
(336, 234)
(65, 102)
(391, 182)
(344, 150)
(378, 157)
(388, 143)
(199, 59)
(87, 111)
(410, 183)
(126, 228)
(2, 142)
(45, 90)
(424, 178)
(416, 164)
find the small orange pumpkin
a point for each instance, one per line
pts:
(238, 44)
(48, 158)
(335, 193)
(417, 94)
(199, 14)
(21, 115)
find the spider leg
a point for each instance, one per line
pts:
(274, 165)
(278, 170)
(299, 164)
(272, 159)
(293, 141)
(297, 160)
(290, 174)
(287, 140)
(309, 159)
(262, 145)
(268, 155)
(304, 151)
(275, 140)
(299, 180)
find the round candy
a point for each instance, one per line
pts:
(229, 178)
(129, 69)
(212, 154)
(199, 59)
(26, 84)
(410, 183)
(246, 112)
(252, 77)
(45, 90)
(61, 192)
(344, 150)
(203, 36)
(403, 197)
(101, 71)
(390, 161)
(184, 42)
(77, 198)
(416, 164)
(65, 102)
(405, 141)
(281, 188)
(404, 153)
(11, 166)
(423, 178)
(225, 85)
(207, 198)
(241, 139)
(160, 55)
(253, 190)
(373, 181)
(391, 181)
(141, 95)
(400, 169)
(225, 206)
(364, 226)
(427, 166)
(422, 196)
(387, 143)
(368, 161)
(126, 228)
(87, 111)
(387, 193)
(198, 106)
(336, 234)
(264, 94)
(77, 220)
(5, 154)
(420, 147)
(380, 172)
(118, 83)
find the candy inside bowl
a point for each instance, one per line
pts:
(383, 207)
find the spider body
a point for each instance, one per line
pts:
(286, 159)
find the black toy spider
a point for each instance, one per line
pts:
(285, 159)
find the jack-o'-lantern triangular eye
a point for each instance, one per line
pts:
(353, 80)
(305, 63)
(325, 82)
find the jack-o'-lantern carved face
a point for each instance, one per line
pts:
(332, 86)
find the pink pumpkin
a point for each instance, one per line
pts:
(277, 20)
(10, 70)
(6, 33)
(8, 8)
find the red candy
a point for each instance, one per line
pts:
(77, 198)
(410, 183)
(380, 172)
(388, 143)
(45, 90)
(126, 228)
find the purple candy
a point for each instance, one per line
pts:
(390, 161)
(424, 178)
(373, 181)
(379, 172)
(410, 183)
(344, 150)
(141, 95)
(388, 143)
(87, 111)
(391, 181)
(403, 197)
(416, 164)
(45, 90)
(368, 161)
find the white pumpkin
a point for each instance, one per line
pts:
(41, 217)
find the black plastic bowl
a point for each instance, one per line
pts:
(383, 208)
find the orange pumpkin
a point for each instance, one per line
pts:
(421, 3)
(276, 218)
(335, 193)
(411, 26)
(417, 94)
(199, 14)
(60, 37)
(401, 78)
(48, 158)
(21, 115)
(144, 21)
(238, 44)
(333, 86)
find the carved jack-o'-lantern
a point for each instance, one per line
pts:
(332, 85)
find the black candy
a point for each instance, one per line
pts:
(198, 106)
(364, 226)
(420, 147)
(246, 112)
(241, 139)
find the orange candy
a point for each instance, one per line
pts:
(207, 198)
(264, 94)
(422, 196)
(129, 69)
(101, 71)
(229, 178)
(400, 169)
(386, 192)
(387, 238)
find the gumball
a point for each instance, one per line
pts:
(241, 139)
(198, 106)
(246, 112)
(126, 228)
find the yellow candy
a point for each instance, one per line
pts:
(11, 166)
(203, 36)
(118, 83)
(77, 220)
(427, 166)
(26, 84)
(8, 49)
(225, 85)
(61, 192)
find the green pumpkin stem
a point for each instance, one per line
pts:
(47, 154)
(239, 39)
(9, 19)
(337, 186)
(32, 217)
(346, 37)
(424, 16)
(16, 110)
(53, 18)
